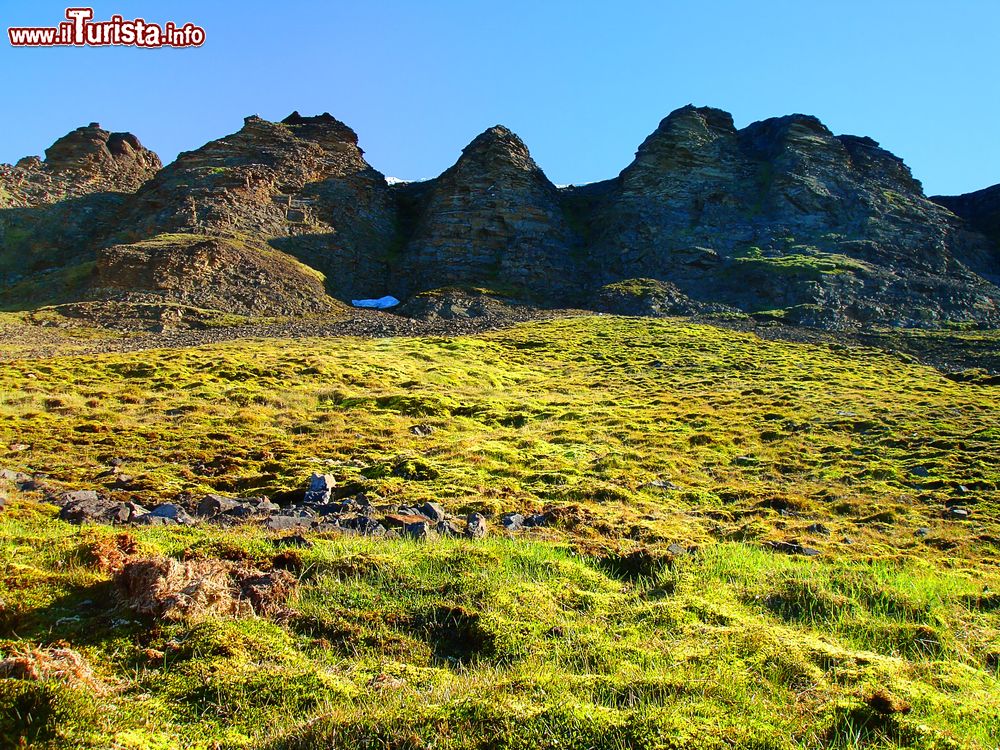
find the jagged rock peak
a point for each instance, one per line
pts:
(91, 148)
(691, 118)
(710, 117)
(497, 145)
(325, 125)
(324, 129)
(689, 127)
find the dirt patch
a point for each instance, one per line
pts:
(165, 588)
(60, 664)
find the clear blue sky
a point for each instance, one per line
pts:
(582, 82)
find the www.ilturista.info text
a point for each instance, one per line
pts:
(80, 30)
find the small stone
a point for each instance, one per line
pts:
(213, 505)
(536, 520)
(402, 520)
(919, 471)
(958, 513)
(922, 532)
(793, 548)
(512, 521)
(676, 549)
(150, 520)
(818, 528)
(78, 496)
(476, 526)
(363, 526)
(287, 523)
(447, 528)
(172, 511)
(320, 489)
(262, 505)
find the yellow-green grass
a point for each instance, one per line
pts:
(557, 637)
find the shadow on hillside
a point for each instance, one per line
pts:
(47, 252)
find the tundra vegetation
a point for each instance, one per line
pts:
(672, 598)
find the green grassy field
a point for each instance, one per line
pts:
(587, 633)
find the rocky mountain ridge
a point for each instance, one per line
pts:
(781, 218)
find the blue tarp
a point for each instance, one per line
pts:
(379, 304)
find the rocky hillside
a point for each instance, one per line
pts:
(781, 218)
(53, 212)
(784, 215)
(492, 218)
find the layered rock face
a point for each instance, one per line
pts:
(981, 211)
(301, 185)
(491, 219)
(783, 214)
(85, 161)
(53, 212)
(780, 217)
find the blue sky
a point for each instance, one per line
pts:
(582, 82)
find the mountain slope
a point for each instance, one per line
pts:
(781, 218)
(783, 214)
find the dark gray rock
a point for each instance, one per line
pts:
(213, 505)
(173, 512)
(293, 540)
(433, 511)
(418, 530)
(536, 520)
(362, 525)
(150, 520)
(512, 521)
(20, 480)
(476, 526)
(288, 523)
(77, 496)
(321, 487)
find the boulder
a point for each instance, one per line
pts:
(476, 526)
(512, 521)
(321, 487)
(433, 511)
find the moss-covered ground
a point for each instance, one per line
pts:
(633, 435)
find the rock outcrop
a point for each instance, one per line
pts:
(981, 212)
(85, 161)
(213, 273)
(781, 217)
(784, 215)
(492, 219)
(54, 212)
(300, 185)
